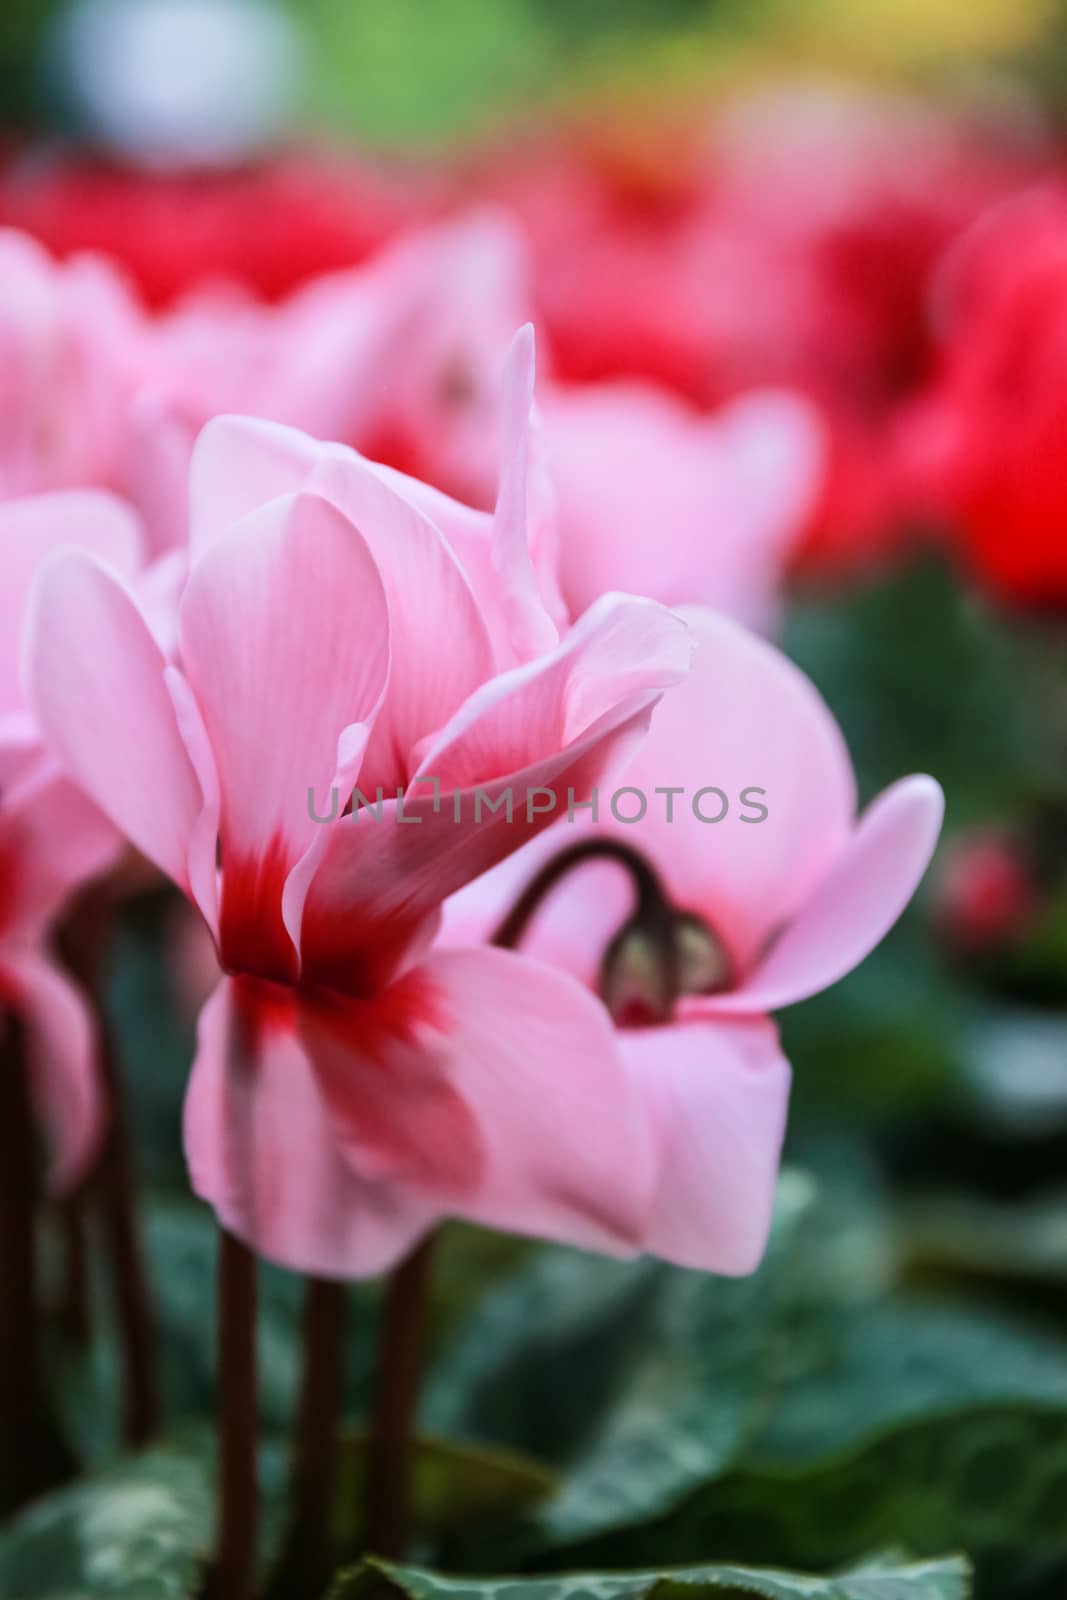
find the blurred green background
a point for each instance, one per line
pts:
(401, 72)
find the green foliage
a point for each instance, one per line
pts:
(453, 1486)
(138, 1531)
(879, 1580)
(806, 1415)
(922, 678)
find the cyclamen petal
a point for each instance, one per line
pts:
(276, 694)
(263, 1152)
(95, 680)
(60, 1051)
(716, 1097)
(30, 530)
(854, 906)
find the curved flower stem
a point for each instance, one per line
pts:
(238, 1503)
(21, 1464)
(652, 900)
(396, 1395)
(305, 1564)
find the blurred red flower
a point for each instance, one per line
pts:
(792, 242)
(987, 447)
(269, 227)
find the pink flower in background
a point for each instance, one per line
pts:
(454, 295)
(351, 1086)
(52, 838)
(784, 906)
(654, 499)
(401, 358)
(67, 339)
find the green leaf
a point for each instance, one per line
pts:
(138, 1531)
(965, 1236)
(804, 1415)
(947, 1579)
(452, 1486)
(582, 1356)
(928, 1424)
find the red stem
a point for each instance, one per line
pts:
(238, 1502)
(396, 1395)
(21, 1437)
(305, 1564)
(85, 938)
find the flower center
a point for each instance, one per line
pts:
(659, 954)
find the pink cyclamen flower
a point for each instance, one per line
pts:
(654, 499)
(789, 903)
(400, 357)
(66, 334)
(352, 1085)
(52, 838)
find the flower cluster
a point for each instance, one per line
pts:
(462, 596)
(813, 319)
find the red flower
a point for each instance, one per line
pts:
(988, 444)
(269, 227)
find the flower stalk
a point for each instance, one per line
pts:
(238, 1492)
(112, 1185)
(21, 1458)
(306, 1561)
(401, 1339)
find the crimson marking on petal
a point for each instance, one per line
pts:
(353, 950)
(382, 1064)
(262, 1009)
(8, 888)
(399, 1013)
(252, 935)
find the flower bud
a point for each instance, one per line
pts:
(649, 964)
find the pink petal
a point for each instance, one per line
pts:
(554, 725)
(203, 848)
(383, 1070)
(440, 644)
(745, 718)
(703, 509)
(61, 1058)
(853, 907)
(263, 1152)
(29, 531)
(716, 1095)
(536, 1059)
(53, 840)
(95, 679)
(238, 465)
(285, 643)
(531, 629)
(441, 648)
(510, 560)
